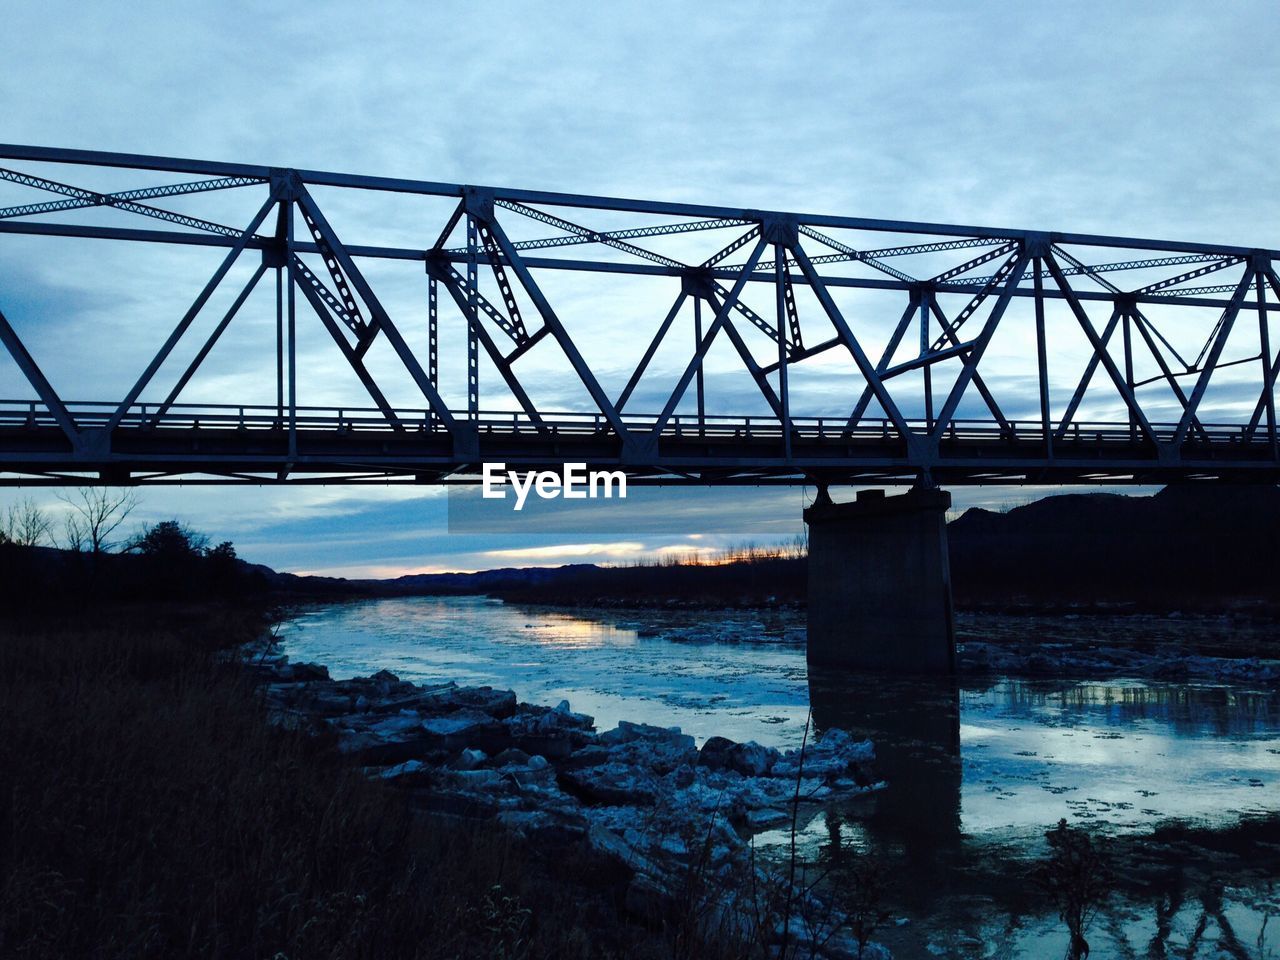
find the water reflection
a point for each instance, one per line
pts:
(1188, 710)
(916, 728)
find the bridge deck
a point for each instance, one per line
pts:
(225, 443)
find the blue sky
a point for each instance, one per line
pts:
(1147, 119)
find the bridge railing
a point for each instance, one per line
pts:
(143, 417)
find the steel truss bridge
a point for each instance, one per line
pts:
(1174, 337)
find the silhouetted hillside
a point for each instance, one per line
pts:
(1185, 543)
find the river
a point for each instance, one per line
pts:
(1180, 780)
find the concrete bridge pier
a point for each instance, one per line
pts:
(880, 583)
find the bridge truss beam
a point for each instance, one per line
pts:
(933, 406)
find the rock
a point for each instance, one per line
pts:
(511, 757)
(465, 727)
(532, 719)
(392, 727)
(661, 755)
(496, 703)
(548, 826)
(536, 777)
(626, 732)
(410, 772)
(588, 756)
(471, 780)
(750, 759)
(552, 733)
(370, 750)
(753, 760)
(470, 759)
(448, 698)
(611, 783)
(832, 755)
(302, 672)
(468, 804)
(640, 795)
(715, 753)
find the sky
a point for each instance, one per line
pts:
(1144, 119)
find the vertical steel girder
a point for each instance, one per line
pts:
(1264, 356)
(433, 332)
(1042, 362)
(291, 327)
(1271, 370)
(787, 317)
(473, 321)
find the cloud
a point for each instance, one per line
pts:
(623, 549)
(1122, 128)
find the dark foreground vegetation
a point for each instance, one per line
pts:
(147, 809)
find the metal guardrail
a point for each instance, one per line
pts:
(311, 419)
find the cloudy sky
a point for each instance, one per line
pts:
(1144, 119)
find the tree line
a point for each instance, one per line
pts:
(90, 522)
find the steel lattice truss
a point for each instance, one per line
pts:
(915, 390)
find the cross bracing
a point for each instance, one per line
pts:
(766, 346)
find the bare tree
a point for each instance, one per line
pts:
(97, 514)
(74, 537)
(25, 523)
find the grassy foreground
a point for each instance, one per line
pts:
(147, 810)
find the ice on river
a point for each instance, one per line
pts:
(1119, 754)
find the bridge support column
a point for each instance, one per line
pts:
(880, 583)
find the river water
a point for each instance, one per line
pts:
(1181, 781)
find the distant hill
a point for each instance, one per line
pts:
(419, 584)
(1187, 546)
(1187, 542)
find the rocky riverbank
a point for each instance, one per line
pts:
(675, 820)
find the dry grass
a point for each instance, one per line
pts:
(147, 810)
